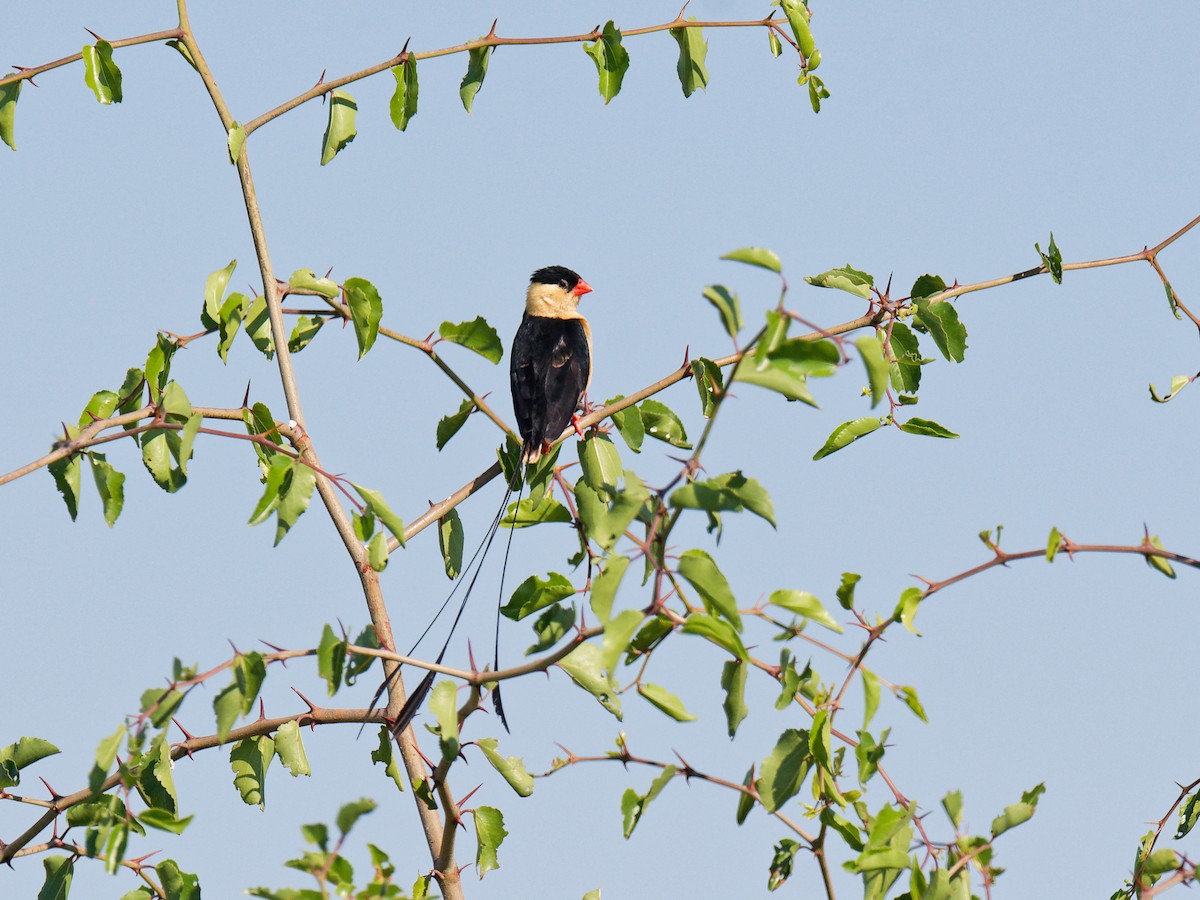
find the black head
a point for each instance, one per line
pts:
(560, 275)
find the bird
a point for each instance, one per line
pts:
(551, 360)
(550, 371)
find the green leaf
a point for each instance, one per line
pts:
(382, 511)
(1017, 813)
(524, 514)
(629, 424)
(366, 309)
(941, 321)
(906, 609)
(1189, 814)
(350, 813)
(232, 311)
(1160, 862)
(249, 760)
(187, 57)
(816, 90)
(156, 782)
(339, 128)
(847, 278)
(443, 703)
(308, 281)
(787, 368)
(1178, 383)
(718, 631)
(511, 768)
(798, 18)
(782, 861)
(101, 73)
(448, 426)
(534, 594)
(877, 367)
(709, 384)
(845, 591)
(8, 111)
(450, 542)
(294, 496)
(906, 370)
(475, 335)
(106, 754)
(952, 804)
(633, 804)
(305, 330)
(926, 286)
(605, 523)
(601, 464)
(661, 423)
(618, 632)
(745, 799)
(490, 833)
(805, 604)
(908, 696)
(1053, 543)
(158, 365)
(59, 872)
(235, 140)
(290, 749)
(584, 665)
(733, 682)
(331, 659)
(846, 434)
(692, 49)
(164, 821)
(870, 683)
(17, 756)
(1051, 260)
(702, 573)
(868, 753)
(784, 770)
(472, 81)
(1158, 562)
(774, 43)
(179, 885)
(611, 59)
(551, 627)
(383, 754)
(755, 256)
(664, 700)
(101, 406)
(604, 586)
(258, 327)
(403, 105)
(925, 427)
(68, 476)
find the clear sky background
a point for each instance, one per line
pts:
(957, 136)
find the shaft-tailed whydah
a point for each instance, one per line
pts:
(550, 370)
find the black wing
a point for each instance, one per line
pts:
(550, 366)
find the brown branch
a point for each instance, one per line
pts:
(491, 40)
(29, 73)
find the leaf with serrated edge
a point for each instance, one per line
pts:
(475, 335)
(611, 59)
(366, 309)
(490, 833)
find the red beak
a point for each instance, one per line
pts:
(582, 288)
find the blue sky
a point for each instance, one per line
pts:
(957, 136)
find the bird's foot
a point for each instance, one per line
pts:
(575, 420)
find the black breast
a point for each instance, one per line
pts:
(550, 366)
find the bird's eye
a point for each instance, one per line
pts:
(562, 283)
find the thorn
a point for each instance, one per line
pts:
(246, 397)
(93, 34)
(327, 271)
(187, 736)
(54, 795)
(236, 651)
(312, 707)
(471, 656)
(888, 290)
(321, 80)
(686, 357)
(403, 54)
(492, 31)
(469, 795)
(273, 647)
(679, 18)
(262, 709)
